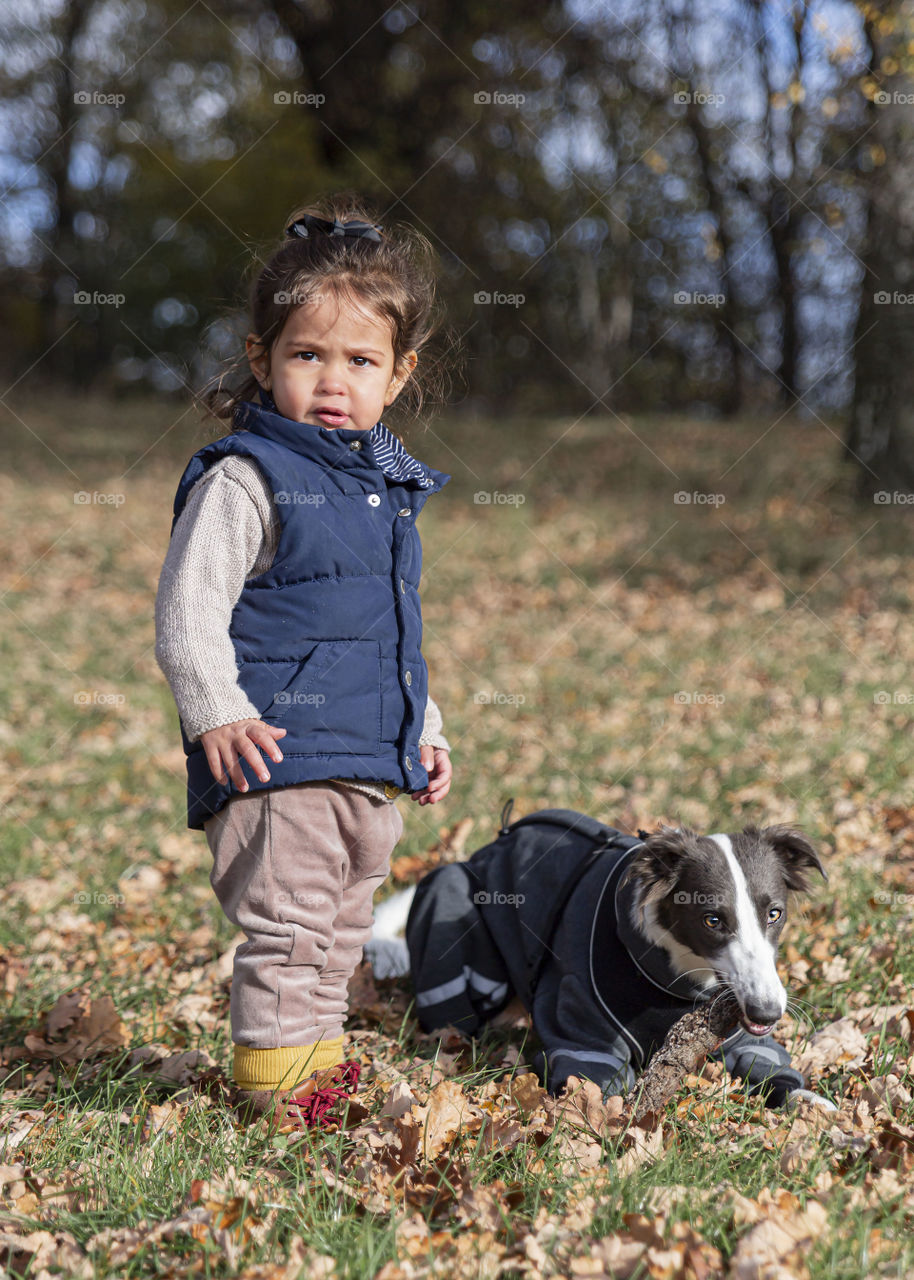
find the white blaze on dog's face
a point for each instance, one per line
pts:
(717, 905)
(747, 960)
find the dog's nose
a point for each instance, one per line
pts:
(763, 1014)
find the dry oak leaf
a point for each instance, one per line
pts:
(664, 1199)
(42, 1251)
(776, 1245)
(447, 1111)
(25, 1191)
(302, 1264)
(178, 1068)
(399, 1100)
(892, 1147)
(887, 1092)
(803, 1141)
(89, 1027)
(618, 1255)
(230, 1221)
(16, 1126)
(501, 1132)
(527, 1093)
(422, 1252)
(643, 1145)
(383, 1155)
(580, 1152)
(484, 1207)
(581, 1103)
(642, 1249)
(890, 1019)
(841, 1043)
(372, 1195)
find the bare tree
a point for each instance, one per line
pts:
(59, 242)
(881, 433)
(776, 197)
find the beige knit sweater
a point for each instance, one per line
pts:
(227, 532)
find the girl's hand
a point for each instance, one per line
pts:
(242, 738)
(437, 762)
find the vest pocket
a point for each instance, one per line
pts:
(329, 702)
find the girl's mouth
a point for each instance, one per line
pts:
(332, 417)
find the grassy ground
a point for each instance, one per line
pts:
(594, 642)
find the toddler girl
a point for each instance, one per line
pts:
(288, 609)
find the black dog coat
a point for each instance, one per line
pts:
(539, 913)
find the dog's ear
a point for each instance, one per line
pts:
(796, 855)
(655, 867)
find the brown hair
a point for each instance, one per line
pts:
(393, 278)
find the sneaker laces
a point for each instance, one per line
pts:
(313, 1109)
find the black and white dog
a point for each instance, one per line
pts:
(607, 940)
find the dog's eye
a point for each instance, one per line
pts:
(712, 921)
(774, 915)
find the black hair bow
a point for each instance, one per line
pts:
(308, 223)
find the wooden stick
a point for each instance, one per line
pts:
(688, 1043)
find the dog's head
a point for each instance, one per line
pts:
(717, 905)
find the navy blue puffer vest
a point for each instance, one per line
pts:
(327, 641)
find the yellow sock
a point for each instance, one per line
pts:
(285, 1067)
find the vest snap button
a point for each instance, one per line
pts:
(408, 763)
(403, 585)
(408, 677)
(355, 444)
(374, 499)
(404, 511)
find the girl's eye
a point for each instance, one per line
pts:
(712, 921)
(305, 354)
(774, 915)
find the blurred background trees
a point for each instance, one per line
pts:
(670, 206)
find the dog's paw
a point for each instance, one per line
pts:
(806, 1095)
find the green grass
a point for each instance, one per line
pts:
(561, 634)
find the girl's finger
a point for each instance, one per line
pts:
(442, 773)
(214, 760)
(263, 740)
(249, 751)
(234, 767)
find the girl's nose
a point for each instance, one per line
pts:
(331, 378)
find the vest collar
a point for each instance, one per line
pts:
(652, 960)
(330, 445)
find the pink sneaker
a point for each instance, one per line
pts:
(312, 1110)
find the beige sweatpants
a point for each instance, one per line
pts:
(296, 868)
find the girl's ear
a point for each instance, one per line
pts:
(401, 376)
(258, 359)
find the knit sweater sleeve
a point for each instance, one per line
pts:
(225, 532)
(432, 734)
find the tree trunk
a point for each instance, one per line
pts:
(781, 207)
(881, 431)
(726, 318)
(53, 316)
(782, 225)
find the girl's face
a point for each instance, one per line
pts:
(332, 365)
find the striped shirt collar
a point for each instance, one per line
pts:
(393, 459)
